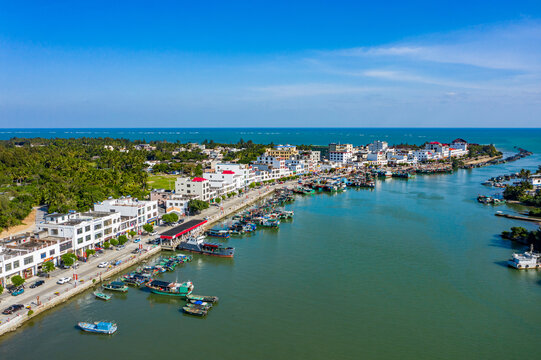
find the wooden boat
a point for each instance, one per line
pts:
(202, 305)
(116, 286)
(205, 298)
(170, 288)
(193, 311)
(102, 296)
(101, 327)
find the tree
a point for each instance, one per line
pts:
(68, 259)
(196, 206)
(1, 289)
(48, 266)
(218, 200)
(114, 242)
(17, 280)
(132, 233)
(106, 245)
(170, 218)
(90, 252)
(148, 228)
(122, 239)
(252, 185)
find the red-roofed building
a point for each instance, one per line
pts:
(196, 188)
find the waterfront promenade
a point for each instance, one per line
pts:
(90, 276)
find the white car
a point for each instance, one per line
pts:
(63, 280)
(154, 233)
(103, 264)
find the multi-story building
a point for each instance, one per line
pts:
(377, 158)
(138, 212)
(378, 146)
(196, 188)
(25, 254)
(85, 230)
(341, 157)
(282, 151)
(334, 147)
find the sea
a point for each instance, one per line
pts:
(414, 269)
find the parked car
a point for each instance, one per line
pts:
(64, 280)
(11, 309)
(120, 247)
(17, 291)
(137, 240)
(103, 264)
(154, 233)
(37, 283)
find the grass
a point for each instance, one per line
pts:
(162, 181)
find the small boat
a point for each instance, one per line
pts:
(102, 296)
(170, 288)
(101, 327)
(194, 311)
(205, 307)
(205, 298)
(218, 233)
(116, 286)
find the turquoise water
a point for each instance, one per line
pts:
(505, 138)
(414, 269)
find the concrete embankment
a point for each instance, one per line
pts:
(83, 284)
(517, 217)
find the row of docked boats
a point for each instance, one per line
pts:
(198, 305)
(483, 199)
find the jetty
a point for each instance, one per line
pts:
(518, 217)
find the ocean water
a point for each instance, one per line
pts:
(414, 269)
(505, 138)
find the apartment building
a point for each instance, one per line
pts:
(196, 188)
(136, 212)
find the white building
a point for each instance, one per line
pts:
(139, 212)
(378, 146)
(535, 180)
(377, 158)
(341, 157)
(85, 230)
(25, 254)
(197, 188)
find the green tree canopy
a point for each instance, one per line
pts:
(17, 280)
(68, 259)
(196, 206)
(122, 239)
(114, 242)
(148, 228)
(48, 266)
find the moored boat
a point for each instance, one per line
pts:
(102, 296)
(170, 288)
(218, 233)
(205, 298)
(194, 311)
(200, 246)
(116, 286)
(101, 327)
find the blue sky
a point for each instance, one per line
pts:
(270, 64)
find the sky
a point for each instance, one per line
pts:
(270, 64)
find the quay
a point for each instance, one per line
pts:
(517, 217)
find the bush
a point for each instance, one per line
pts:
(106, 245)
(218, 200)
(1, 289)
(114, 242)
(17, 280)
(30, 312)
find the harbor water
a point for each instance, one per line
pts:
(414, 269)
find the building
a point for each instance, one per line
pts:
(194, 188)
(85, 230)
(377, 158)
(535, 180)
(334, 147)
(378, 146)
(282, 151)
(25, 254)
(138, 212)
(341, 157)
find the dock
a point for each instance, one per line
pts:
(517, 217)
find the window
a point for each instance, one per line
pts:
(97, 226)
(87, 238)
(16, 264)
(87, 228)
(51, 252)
(43, 255)
(98, 235)
(65, 246)
(79, 231)
(28, 260)
(54, 231)
(8, 267)
(80, 240)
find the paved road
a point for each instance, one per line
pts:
(90, 268)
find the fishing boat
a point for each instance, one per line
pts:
(102, 296)
(101, 327)
(218, 233)
(205, 298)
(200, 246)
(116, 286)
(194, 311)
(526, 260)
(199, 305)
(170, 288)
